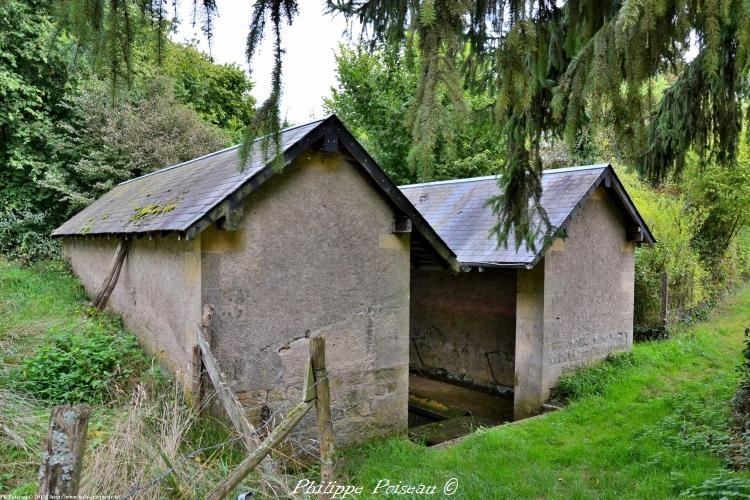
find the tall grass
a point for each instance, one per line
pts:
(144, 439)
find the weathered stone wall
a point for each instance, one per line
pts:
(588, 289)
(157, 293)
(462, 322)
(315, 254)
(586, 309)
(528, 393)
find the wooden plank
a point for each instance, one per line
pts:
(227, 397)
(308, 392)
(60, 473)
(322, 407)
(274, 438)
(110, 280)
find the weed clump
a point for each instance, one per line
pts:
(82, 362)
(593, 379)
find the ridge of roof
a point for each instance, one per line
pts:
(490, 177)
(192, 160)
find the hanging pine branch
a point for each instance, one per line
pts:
(266, 123)
(557, 68)
(553, 68)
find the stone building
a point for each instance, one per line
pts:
(514, 320)
(329, 245)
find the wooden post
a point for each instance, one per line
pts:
(274, 438)
(198, 381)
(322, 406)
(664, 300)
(110, 280)
(227, 397)
(196, 378)
(60, 472)
(207, 322)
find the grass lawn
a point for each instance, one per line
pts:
(652, 426)
(129, 431)
(648, 425)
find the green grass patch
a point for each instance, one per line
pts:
(651, 424)
(54, 348)
(57, 348)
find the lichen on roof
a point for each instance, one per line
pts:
(149, 204)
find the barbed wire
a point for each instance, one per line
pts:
(238, 437)
(181, 460)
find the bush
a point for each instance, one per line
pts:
(82, 363)
(741, 409)
(24, 235)
(726, 485)
(674, 225)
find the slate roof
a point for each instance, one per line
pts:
(188, 197)
(456, 210)
(173, 198)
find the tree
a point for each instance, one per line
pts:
(220, 93)
(724, 197)
(34, 84)
(373, 98)
(145, 129)
(552, 68)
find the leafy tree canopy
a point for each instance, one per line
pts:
(551, 67)
(373, 98)
(67, 134)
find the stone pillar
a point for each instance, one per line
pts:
(529, 392)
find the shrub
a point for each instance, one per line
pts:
(82, 363)
(720, 486)
(24, 235)
(673, 224)
(741, 408)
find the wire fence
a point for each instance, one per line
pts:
(301, 448)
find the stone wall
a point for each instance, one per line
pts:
(157, 294)
(314, 254)
(588, 289)
(462, 322)
(576, 306)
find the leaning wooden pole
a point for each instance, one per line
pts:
(323, 407)
(60, 472)
(110, 280)
(277, 435)
(203, 358)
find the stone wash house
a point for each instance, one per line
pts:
(397, 280)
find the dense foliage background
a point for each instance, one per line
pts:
(73, 124)
(69, 131)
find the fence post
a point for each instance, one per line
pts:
(322, 406)
(60, 472)
(664, 300)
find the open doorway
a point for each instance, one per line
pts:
(461, 356)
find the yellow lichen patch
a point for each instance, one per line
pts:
(153, 209)
(87, 226)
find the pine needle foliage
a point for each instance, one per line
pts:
(554, 69)
(558, 68)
